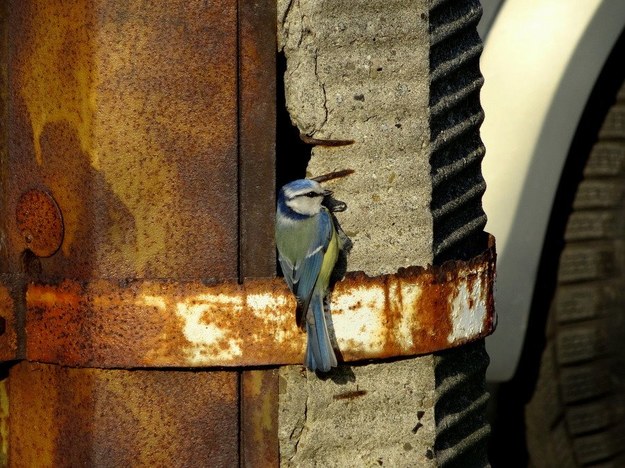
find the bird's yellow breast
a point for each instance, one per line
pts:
(329, 259)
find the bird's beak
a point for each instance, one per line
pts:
(327, 193)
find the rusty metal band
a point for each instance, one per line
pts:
(189, 324)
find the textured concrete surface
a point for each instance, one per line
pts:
(359, 71)
(401, 80)
(369, 415)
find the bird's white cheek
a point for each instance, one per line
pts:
(304, 205)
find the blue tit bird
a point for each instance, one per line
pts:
(308, 248)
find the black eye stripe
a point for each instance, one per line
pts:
(309, 194)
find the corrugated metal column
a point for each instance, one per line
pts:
(456, 153)
(123, 134)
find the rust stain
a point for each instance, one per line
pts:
(166, 121)
(93, 417)
(437, 323)
(257, 129)
(488, 295)
(4, 421)
(128, 115)
(4, 119)
(59, 85)
(164, 323)
(259, 418)
(8, 335)
(33, 447)
(393, 313)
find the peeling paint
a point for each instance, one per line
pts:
(208, 338)
(356, 321)
(469, 311)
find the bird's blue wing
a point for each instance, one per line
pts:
(288, 270)
(307, 271)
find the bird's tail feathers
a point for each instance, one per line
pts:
(319, 353)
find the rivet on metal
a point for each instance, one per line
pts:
(40, 223)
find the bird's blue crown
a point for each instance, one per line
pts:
(289, 190)
(298, 186)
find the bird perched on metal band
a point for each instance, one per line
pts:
(308, 248)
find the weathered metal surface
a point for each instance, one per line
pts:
(257, 129)
(93, 417)
(8, 325)
(127, 115)
(4, 419)
(8, 338)
(257, 254)
(259, 418)
(159, 323)
(4, 91)
(40, 221)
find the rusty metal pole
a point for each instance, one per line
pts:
(121, 166)
(257, 257)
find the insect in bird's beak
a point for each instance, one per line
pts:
(332, 203)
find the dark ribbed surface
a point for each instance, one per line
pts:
(457, 187)
(456, 115)
(460, 409)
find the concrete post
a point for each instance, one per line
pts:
(401, 80)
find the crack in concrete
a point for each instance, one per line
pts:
(283, 31)
(323, 91)
(300, 426)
